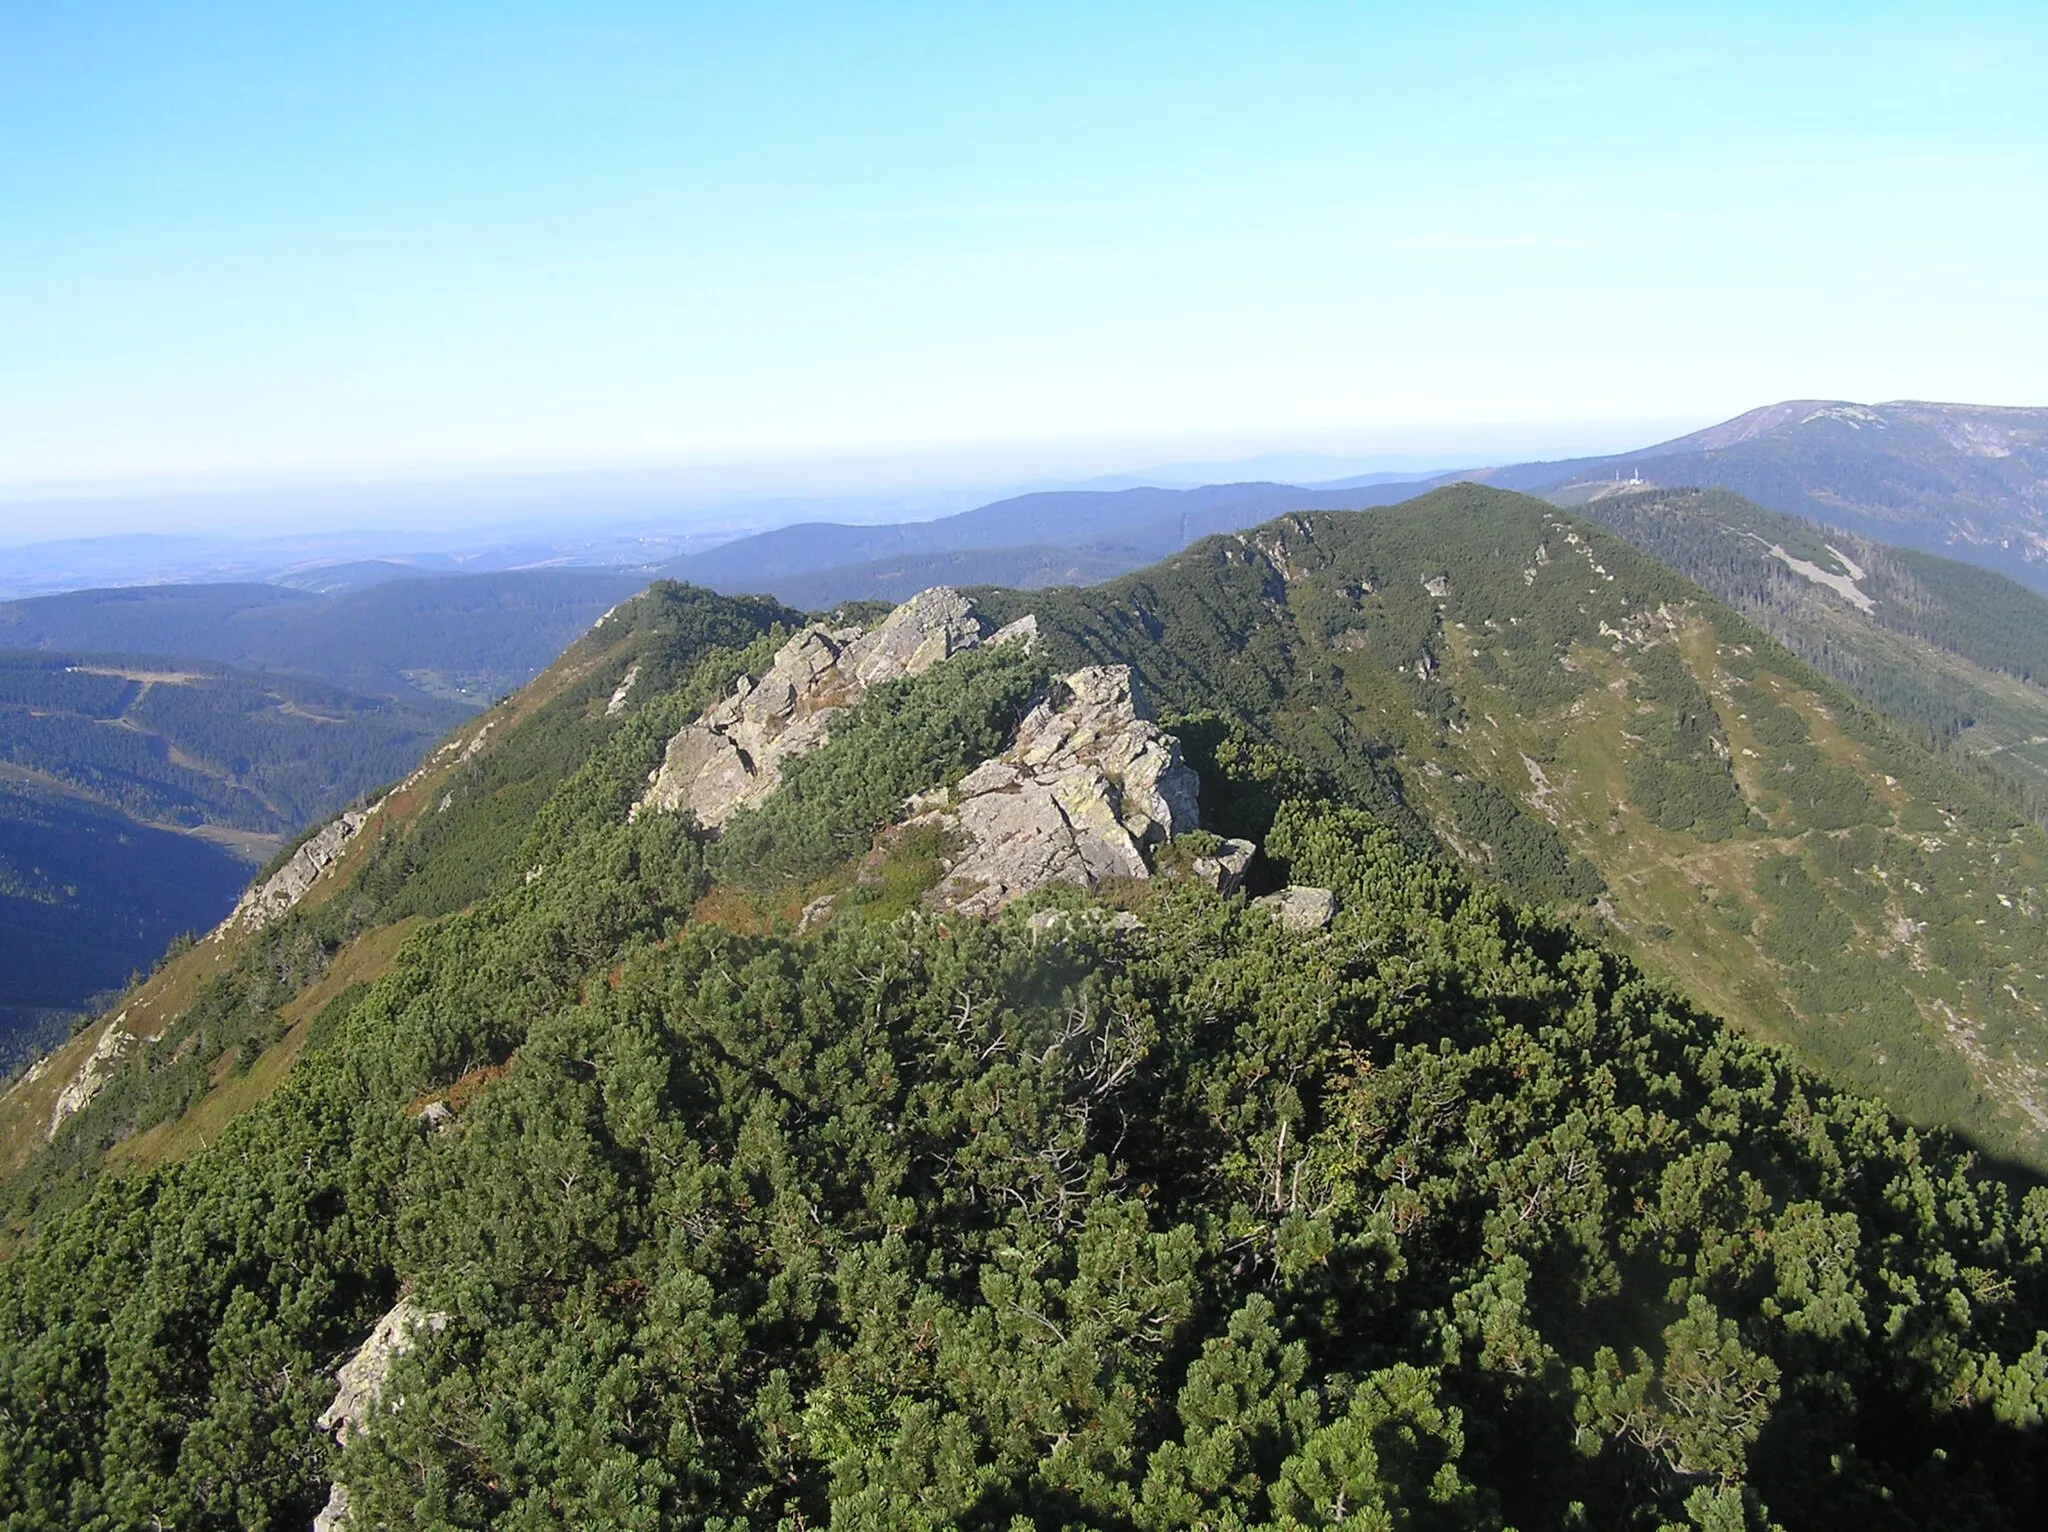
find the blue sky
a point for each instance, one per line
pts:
(289, 240)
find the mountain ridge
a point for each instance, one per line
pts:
(584, 1183)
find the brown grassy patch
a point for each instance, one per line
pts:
(734, 911)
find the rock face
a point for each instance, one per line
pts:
(1082, 793)
(731, 757)
(287, 886)
(92, 1075)
(1299, 907)
(362, 1378)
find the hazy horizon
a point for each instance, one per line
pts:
(339, 242)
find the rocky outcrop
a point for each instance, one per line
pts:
(617, 705)
(731, 757)
(1080, 796)
(1299, 907)
(1224, 868)
(284, 888)
(93, 1074)
(361, 1379)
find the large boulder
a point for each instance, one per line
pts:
(1080, 796)
(1225, 867)
(1300, 907)
(731, 757)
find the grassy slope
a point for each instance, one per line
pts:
(1761, 838)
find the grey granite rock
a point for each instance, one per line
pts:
(1078, 797)
(731, 757)
(1300, 907)
(289, 884)
(361, 1381)
(1224, 869)
(93, 1074)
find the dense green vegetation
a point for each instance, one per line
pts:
(1444, 1217)
(1541, 698)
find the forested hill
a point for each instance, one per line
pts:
(1583, 724)
(1138, 1209)
(460, 638)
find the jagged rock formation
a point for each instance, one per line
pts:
(92, 1075)
(362, 1378)
(287, 886)
(731, 757)
(1299, 907)
(1079, 797)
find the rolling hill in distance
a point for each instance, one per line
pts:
(784, 1166)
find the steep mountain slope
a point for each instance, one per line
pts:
(656, 1210)
(461, 638)
(106, 757)
(1583, 723)
(1952, 649)
(1968, 481)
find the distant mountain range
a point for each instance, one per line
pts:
(1968, 481)
(1113, 532)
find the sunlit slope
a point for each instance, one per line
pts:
(218, 1026)
(1956, 654)
(1118, 1209)
(1585, 724)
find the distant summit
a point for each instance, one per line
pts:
(1966, 480)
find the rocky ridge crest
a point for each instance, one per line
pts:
(731, 757)
(1085, 791)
